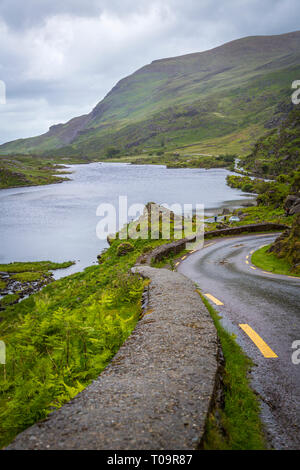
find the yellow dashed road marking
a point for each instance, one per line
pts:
(213, 299)
(252, 267)
(177, 263)
(183, 258)
(247, 262)
(258, 341)
(209, 244)
(247, 256)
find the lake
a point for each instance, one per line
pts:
(58, 222)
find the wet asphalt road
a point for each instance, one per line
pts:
(270, 304)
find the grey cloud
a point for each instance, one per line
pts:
(59, 58)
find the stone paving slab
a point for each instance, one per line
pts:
(156, 392)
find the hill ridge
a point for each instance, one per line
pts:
(152, 101)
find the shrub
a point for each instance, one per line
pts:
(124, 248)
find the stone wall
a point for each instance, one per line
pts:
(177, 246)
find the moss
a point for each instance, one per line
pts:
(267, 261)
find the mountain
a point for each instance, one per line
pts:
(232, 90)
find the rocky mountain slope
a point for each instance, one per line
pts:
(177, 101)
(277, 152)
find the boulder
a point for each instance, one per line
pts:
(295, 209)
(292, 204)
(110, 238)
(226, 211)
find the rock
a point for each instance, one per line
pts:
(295, 209)
(110, 238)
(248, 204)
(292, 204)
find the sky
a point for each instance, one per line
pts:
(59, 58)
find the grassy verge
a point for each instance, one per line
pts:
(253, 215)
(61, 338)
(237, 425)
(270, 262)
(261, 213)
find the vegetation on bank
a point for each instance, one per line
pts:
(62, 337)
(20, 279)
(28, 171)
(268, 261)
(269, 193)
(35, 266)
(260, 214)
(32, 170)
(187, 161)
(235, 424)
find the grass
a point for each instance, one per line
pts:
(237, 425)
(32, 170)
(8, 300)
(258, 214)
(28, 276)
(36, 266)
(24, 274)
(270, 262)
(61, 338)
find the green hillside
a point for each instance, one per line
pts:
(232, 90)
(279, 150)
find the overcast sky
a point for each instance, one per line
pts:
(58, 58)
